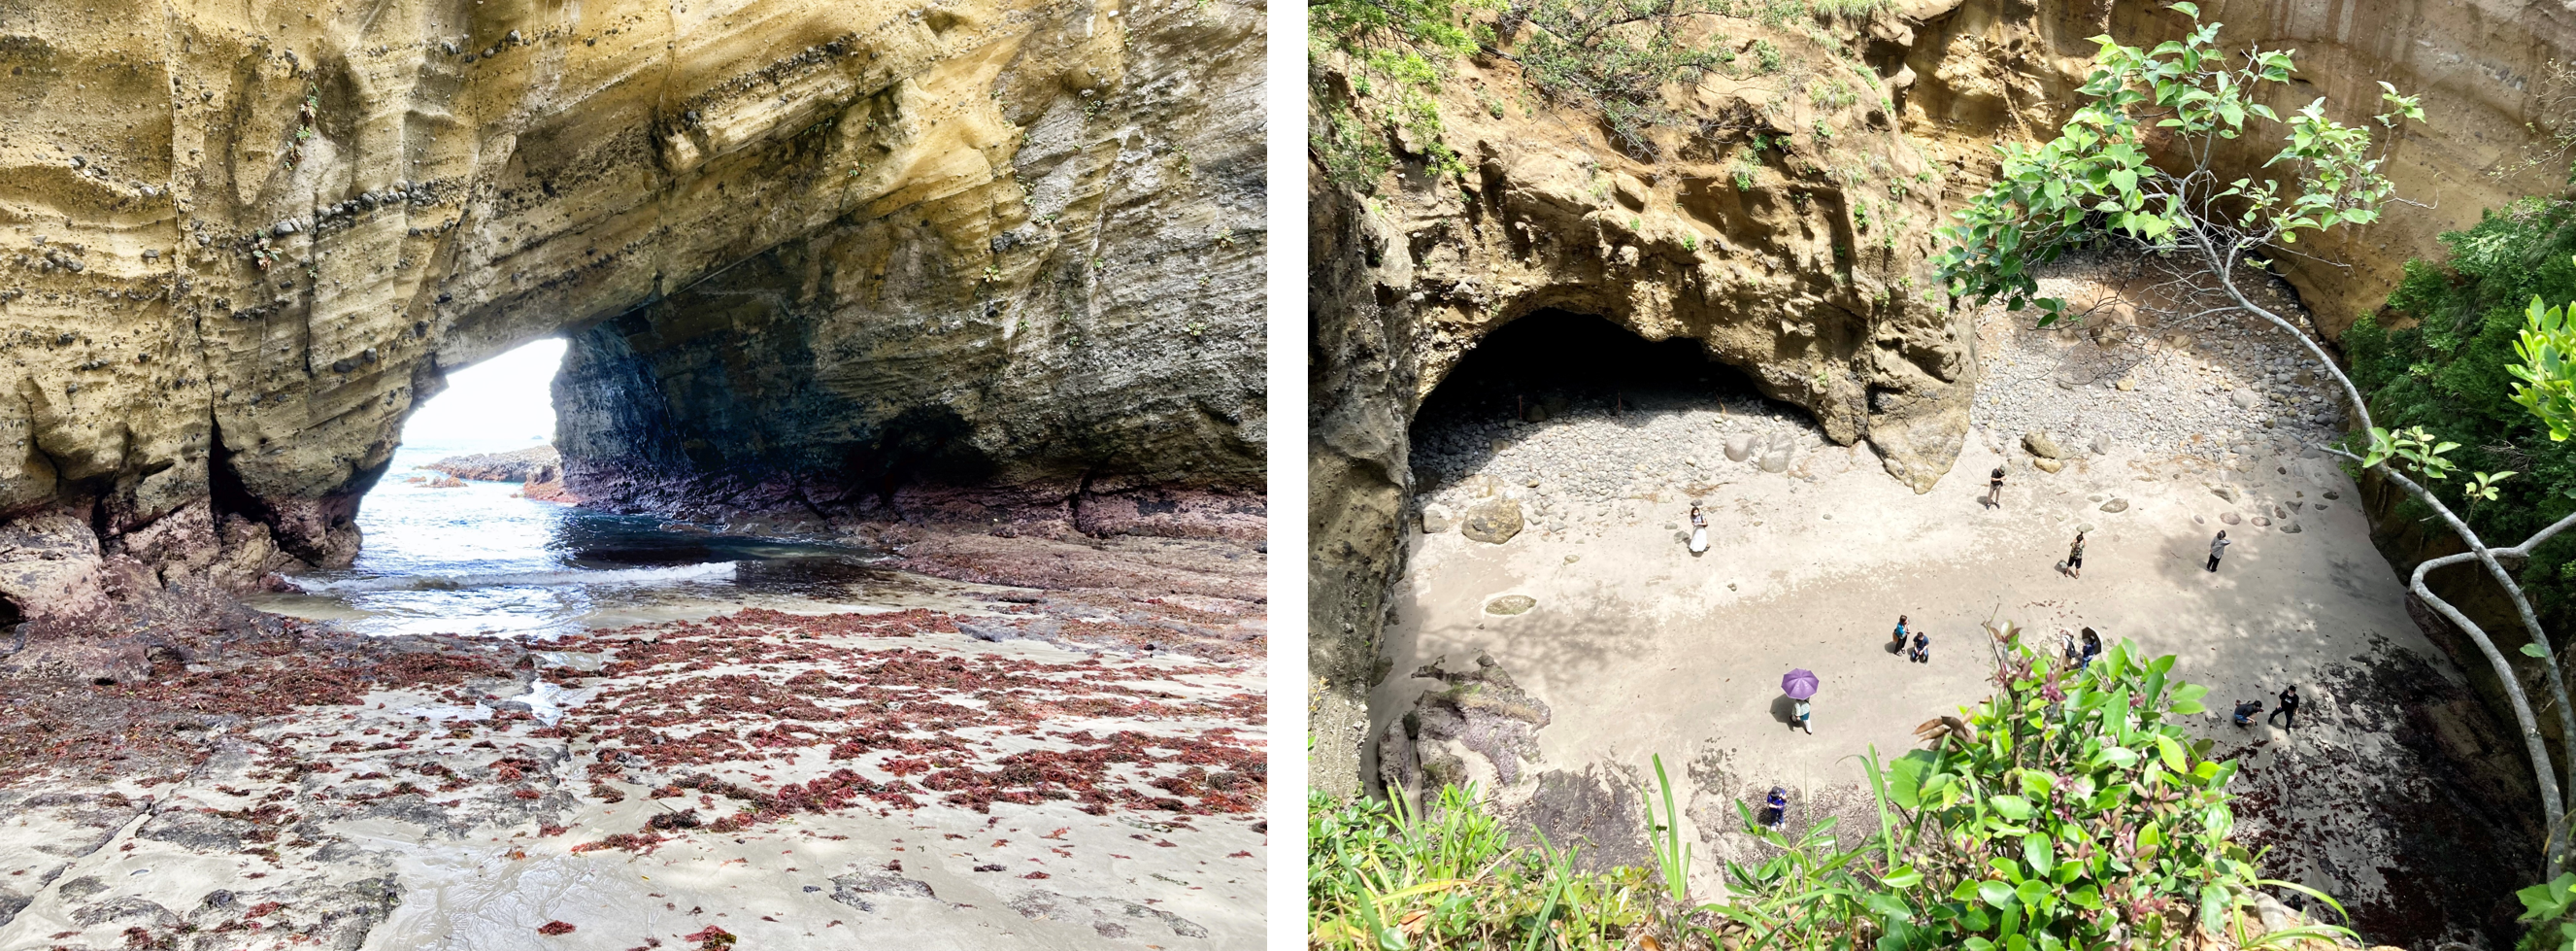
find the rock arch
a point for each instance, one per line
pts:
(242, 243)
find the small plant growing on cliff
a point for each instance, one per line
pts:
(2096, 181)
(1767, 55)
(1582, 56)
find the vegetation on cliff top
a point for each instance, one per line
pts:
(2070, 809)
(2441, 356)
(1613, 58)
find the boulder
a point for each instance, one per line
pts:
(1777, 451)
(50, 566)
(2042, 445)
(2045, 464)
(1437, 518)
(1510, 604)
(2116, 506)
(1481, 728)
(1494, 520)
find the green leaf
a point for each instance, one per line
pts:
(1905, 778)
(1995, 893)
(2533, 650)
(2170, 753)
(2035, 851)
(2189, 9)
(2013, 807)
(2031, 893)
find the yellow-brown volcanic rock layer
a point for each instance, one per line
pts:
(858, 259)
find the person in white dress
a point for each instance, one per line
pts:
(1699, 530)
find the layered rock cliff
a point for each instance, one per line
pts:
(850, 249)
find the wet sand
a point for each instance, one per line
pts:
(906, 778)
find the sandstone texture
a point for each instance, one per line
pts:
(1990, 70)
(864, 260)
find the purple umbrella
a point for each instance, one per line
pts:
(1799, 684)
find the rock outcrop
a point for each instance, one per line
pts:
(1481, 730)
(831, 256)
(518, 465)
(2007, 70)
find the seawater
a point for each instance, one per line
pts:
(477, 559)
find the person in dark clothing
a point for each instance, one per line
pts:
(2288, 711)
(1995, 489)
(1899, 646)
(1775, 809)
(2075, 557)
(2092, 649)
(2245, 711)
(1922, 648)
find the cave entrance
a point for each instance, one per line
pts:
(1587, 409)
(472, 529)
(464, 528)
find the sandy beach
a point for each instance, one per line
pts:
(1640, 648)
(1025, 775)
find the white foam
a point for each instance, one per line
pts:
(710, 571)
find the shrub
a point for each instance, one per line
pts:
(2069, 809)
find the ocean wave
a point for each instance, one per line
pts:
(710, 571)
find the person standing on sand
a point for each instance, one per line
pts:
(2075, 557)
(1995, 489)
(1699, 530)
(2216, 547)
(2288, 711)
(1900, 636)
(1775, 809)
(1802, 711)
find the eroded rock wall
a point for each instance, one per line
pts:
(239, 242)
(1998, 70)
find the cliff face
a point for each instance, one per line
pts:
(1002, 246)
(2007, 70)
